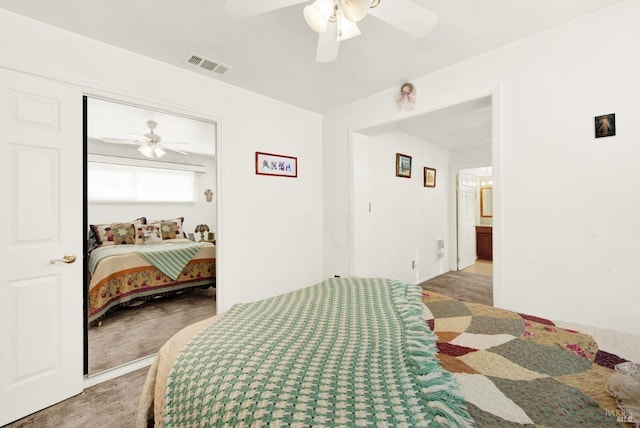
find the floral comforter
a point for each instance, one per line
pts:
(120, 279)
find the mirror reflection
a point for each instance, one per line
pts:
(150, 272)
(486, 202)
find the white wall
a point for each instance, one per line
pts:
(269, 228)
(471, 157)
(565, 244)
(406, 218)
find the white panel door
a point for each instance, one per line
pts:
(41, 192)
(466, 220)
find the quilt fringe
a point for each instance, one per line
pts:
(439, 388)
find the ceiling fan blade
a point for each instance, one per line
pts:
(136, 136)
(328, 44)
(174, 150)
(244, 8)
(150, 136)
(406, 15)
(118, 140)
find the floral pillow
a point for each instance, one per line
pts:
(148, 234)
(121, 233)
(106, 234)
(171, 228)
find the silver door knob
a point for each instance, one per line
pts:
(67, 258)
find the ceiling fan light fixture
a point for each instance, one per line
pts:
(355, 10)
(317, 15)
(159, 152)
(347, 29)
(153, 136)
(146, 151)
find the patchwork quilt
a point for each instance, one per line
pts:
(520, 370)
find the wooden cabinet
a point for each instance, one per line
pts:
(484, 242)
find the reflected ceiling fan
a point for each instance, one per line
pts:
(336, 20)
(151, 144)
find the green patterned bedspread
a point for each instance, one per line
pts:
(168, 258)
(345, 352)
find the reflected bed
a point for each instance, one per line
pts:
(123, 274)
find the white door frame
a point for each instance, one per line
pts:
(496, 163)
(497, 219)
(91, 380)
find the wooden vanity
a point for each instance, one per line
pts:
(484, 242)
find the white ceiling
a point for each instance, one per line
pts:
(273, 53)
(460, 126)
(106, 119)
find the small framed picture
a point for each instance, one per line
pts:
(191, 236)
(429, 177)
(403, 165)
(211, 236)
(270, 164)
(605, 125)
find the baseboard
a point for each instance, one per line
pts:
(115, 372)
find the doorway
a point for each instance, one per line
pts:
(456, 137)
(127, 184)
(474, 220)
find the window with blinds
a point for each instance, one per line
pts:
(126, 183)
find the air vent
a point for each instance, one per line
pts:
(208, 65)
(203, 63)
(195, 60)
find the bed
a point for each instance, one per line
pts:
(121, 275)
(376, 352)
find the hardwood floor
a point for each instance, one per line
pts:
(481, 267)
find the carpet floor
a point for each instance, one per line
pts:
(138, 331)
(466, 286)
(108, 404)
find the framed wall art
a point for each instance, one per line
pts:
(280, 165)
(403, 165)
(429, 177)
(605, 125)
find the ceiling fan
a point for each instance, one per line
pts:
(336, 20)
(151, 145)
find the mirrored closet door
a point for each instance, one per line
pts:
(151, 224)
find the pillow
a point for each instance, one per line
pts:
(103, 233)
(121, 233)
(93, 240)
(171, 228)
(140, 231)
(148, 234)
